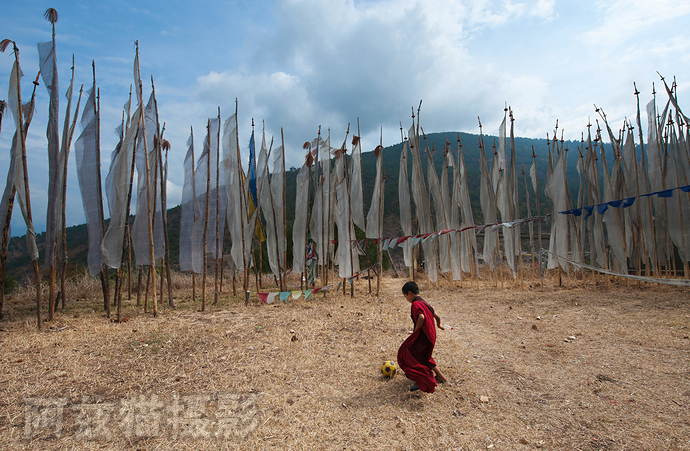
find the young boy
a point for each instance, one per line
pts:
(414, 355)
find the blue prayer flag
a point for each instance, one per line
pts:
(252, 168)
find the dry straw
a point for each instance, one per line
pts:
(578, 367)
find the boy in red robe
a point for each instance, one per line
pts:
(414, 355)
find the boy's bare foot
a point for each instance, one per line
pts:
(440, 378)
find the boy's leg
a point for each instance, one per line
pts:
(439, 375)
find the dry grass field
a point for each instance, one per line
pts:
(585, 366)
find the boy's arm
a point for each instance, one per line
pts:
(438, 321)
(420, 322)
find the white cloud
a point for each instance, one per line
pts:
(543, 9)
(624, 20)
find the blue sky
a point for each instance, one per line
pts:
(301, 64)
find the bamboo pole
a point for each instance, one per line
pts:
(3, 250)
(164, 219)
(148, 188)
(6, 226)
(243, 209)
(105, 282)
(195, 218)
(128, 236)
(52, 16)
(5, 229)
(380, 223)
(275, 225)
(349, 211)
(217, 250)
(22, 136)
(163, 144)
(309, 161)
(536, 200)
(207, 211)
(119, 274)
(129, 257)
(118, 278)
(67, 144)
(284, 268)
(154, 201)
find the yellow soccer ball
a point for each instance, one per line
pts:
(388, 369)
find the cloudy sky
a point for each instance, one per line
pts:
(301, 64)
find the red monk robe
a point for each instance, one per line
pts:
(414, 355)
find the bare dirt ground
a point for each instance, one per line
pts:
(586, 366)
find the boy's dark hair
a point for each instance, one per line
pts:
(410, 287)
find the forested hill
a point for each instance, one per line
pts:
(19, 265)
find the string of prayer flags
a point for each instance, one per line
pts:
(622, 203)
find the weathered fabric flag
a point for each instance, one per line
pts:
(373, 229)
(501, 184)
(468, 237)
(453, 208)
(145, 202)
(236, 211)
(117, 191)
(342, 217)
(266, 203)
(67, 132)
(278, 193)
(555, 190)
(299, 227)
(611, 219)
(88, 175)
(423, 214)
(17, 113)
(440, 210)
(645, 206)
(356, 195)
(9, 186)
(188, 213)
(49, 73)
(488, 204)
(404, 202)
(218, 192)
(656, 183)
